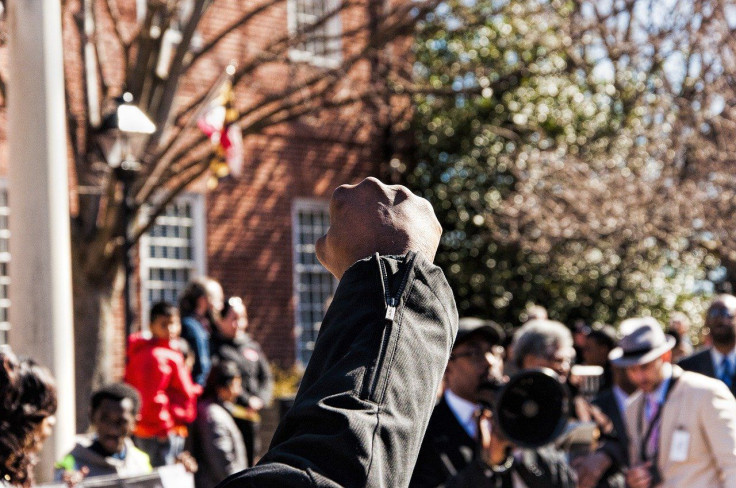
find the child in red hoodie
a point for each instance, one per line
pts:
(168, 396)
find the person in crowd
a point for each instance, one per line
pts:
(549, 344)
(199, 308)
(156, 369)
(580, 331)
(536, 312)
(681, 425)
(599, 342)
(718, 360)
(544, 343)
(27, 408)
(231, 342)
(109, 449)
(216, 442)
(679, 328)
(457, 450)
(368, 391)
(612, 402)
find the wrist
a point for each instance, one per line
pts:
(500, 465)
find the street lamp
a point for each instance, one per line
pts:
(120, 127)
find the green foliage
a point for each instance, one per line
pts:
(525, 154)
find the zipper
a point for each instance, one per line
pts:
(393, 301)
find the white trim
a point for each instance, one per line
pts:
(332, 27)
(196, 265)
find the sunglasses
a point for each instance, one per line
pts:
(721, 313)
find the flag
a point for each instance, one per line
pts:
(218, 121)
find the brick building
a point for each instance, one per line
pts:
(255, 234)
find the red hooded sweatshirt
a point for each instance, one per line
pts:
(168, 395)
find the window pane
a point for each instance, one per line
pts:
(315, 285)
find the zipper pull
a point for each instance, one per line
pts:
(391, 304)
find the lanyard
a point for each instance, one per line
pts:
(655, 420)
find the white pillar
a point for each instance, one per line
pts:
(40, 268)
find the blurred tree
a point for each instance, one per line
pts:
(546, 141)
(171, 56)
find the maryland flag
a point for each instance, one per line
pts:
(217, 121)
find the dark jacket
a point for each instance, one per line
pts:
(702, 362)
(614, 444)
(253, 365)
(545, 467)
(367, 394)
(216, 444)
(198, 337)
(448, 459)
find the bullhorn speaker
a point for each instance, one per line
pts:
(531, 409)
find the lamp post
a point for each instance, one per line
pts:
(122, 124)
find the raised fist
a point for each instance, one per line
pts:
(372, 217)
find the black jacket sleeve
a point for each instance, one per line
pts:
(368, 391)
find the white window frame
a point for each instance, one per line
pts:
(5, 258)
(309, 205)
(332, 28)
(196, 266)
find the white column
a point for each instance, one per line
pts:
(40, 268)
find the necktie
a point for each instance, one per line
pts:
(651, 414)
(725, 372)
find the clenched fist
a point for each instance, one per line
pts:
(372, 217)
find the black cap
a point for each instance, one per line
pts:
(490, 330)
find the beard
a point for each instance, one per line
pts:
(723, 335)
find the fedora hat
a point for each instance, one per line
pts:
(644, 342)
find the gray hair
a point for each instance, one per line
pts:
(539, 338)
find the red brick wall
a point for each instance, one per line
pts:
(249, 239)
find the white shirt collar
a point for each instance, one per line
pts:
(464, 411)
(622, 398)
(717, 358)
(662, 388)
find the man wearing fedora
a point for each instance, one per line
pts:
(681, 425)
(718, 361)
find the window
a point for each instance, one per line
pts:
(321, 45)
(313, 284)
(4, 263)
(172, 252)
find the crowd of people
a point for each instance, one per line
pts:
(399, 391)
(194, 385)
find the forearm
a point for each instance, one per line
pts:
(367, 395)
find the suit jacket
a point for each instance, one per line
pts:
(368, 392)
(606, 401)
(702, 362)
(446, 449)
(706, 410)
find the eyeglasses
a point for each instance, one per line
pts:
(721, 313)
(478, 353)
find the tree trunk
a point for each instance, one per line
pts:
(96, 292)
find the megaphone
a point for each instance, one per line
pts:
(531, 409)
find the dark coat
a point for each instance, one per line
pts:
(252, 363)
(367, 394)
(447, 458)
(615, 444)
(446, 449)
(702, 362)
